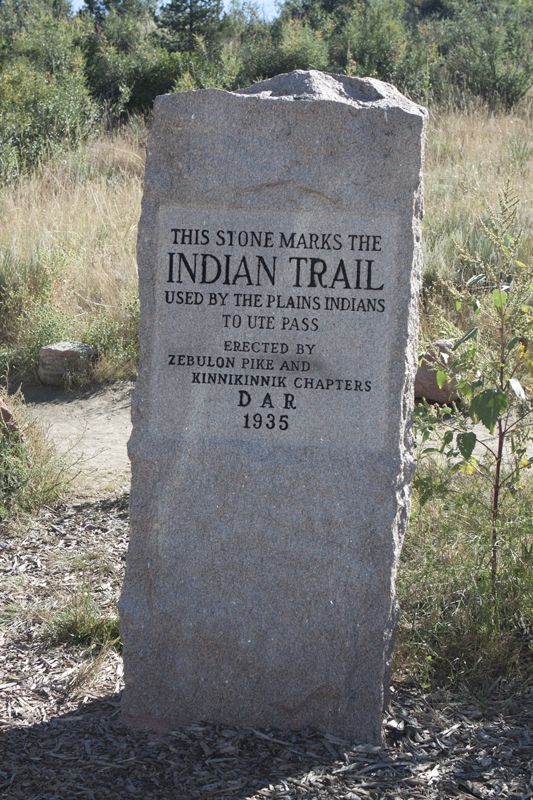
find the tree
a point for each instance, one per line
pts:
(493, 367)
(136, 8)
(184, 20)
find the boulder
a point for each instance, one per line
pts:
(58, 361)
(426, 377)
(8, 423)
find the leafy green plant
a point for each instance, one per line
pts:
(126, 67)
(202, 69)
(375, 35)
(492, 366)
(487, 47)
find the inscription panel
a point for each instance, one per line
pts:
(273, 326)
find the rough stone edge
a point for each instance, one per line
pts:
(406, 437)
(354, 91)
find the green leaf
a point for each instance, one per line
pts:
(516, 386)
(514, 341)
(448, 436)
(520, 264)
(468, 335)
(475, 279)
(500, 298)
(458, 305)
(441, 378)
(488, 406)
(466, 443)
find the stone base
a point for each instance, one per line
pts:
(159, 726)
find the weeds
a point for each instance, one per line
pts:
(467, 576)
(491, 366)
(83, 621)
(453, 629)
(32, 473)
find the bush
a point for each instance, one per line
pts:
(375, 36)
(488, 49)
(477, 622)
(200, 69)
(45, 105)
(31, 318)
(294, 45)
(116, 337)
(125, 66)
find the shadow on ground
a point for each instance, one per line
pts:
(89, 753)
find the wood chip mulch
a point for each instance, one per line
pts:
(61, 736)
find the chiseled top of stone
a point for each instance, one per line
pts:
(314, 85)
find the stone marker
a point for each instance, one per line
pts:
(279, 266)
(58, 361)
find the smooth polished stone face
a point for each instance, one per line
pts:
(279, 267)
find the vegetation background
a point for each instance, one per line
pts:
(76, 92)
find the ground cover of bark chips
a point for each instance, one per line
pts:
(61, 735)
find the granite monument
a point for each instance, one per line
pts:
(272, 450)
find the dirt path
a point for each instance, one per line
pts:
(91, 424)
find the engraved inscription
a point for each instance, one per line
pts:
(272, 324)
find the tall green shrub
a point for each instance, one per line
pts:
(44, 101)
(488, 48)
(126, 67)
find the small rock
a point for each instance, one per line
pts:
(426, 377)
(59, 360)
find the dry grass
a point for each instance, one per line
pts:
(32, 473)
(80, 216)
(67, 253)
(71, 226)
(470, 155)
